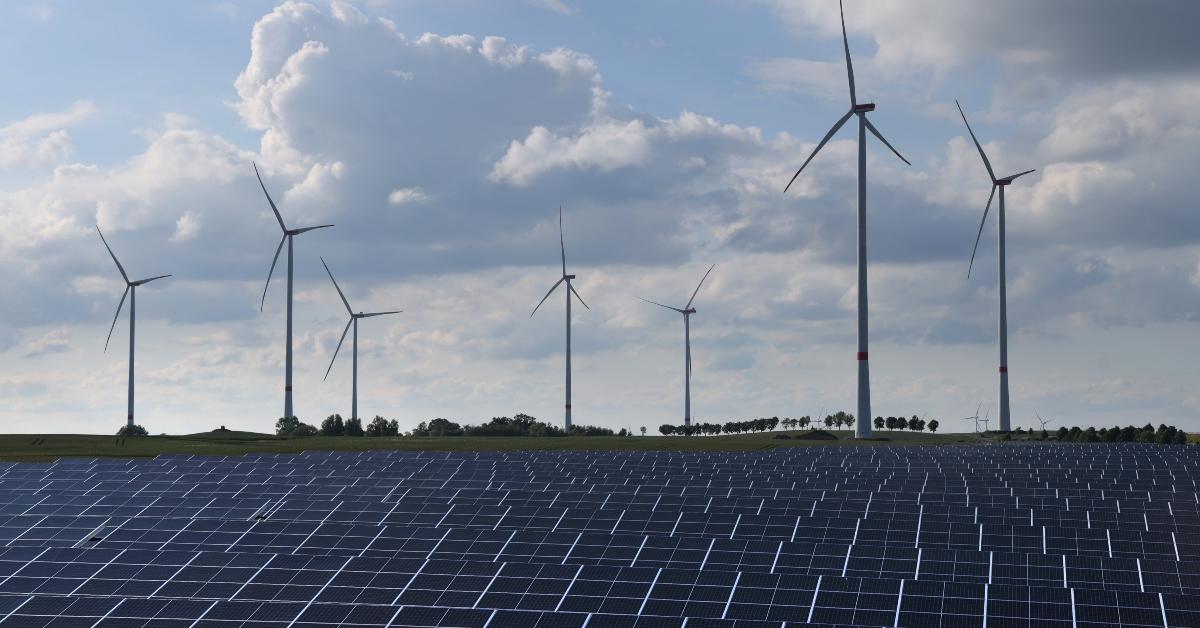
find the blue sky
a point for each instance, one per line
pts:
(442, 136)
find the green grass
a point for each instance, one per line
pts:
(49, 447)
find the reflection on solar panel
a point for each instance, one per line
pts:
(1014, 535)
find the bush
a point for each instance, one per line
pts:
(354, 427)
(132, 430)
(333, 426)
(782, 436)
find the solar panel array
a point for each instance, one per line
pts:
(1014, 535)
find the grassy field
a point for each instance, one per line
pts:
(48, 447)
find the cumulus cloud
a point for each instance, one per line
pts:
(41, 139)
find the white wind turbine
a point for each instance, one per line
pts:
(687, 312)
(288, 235)
(131, 292)
(863, 423)
(975, 417)
(570, 291)
(1005, 421)
(353, 321)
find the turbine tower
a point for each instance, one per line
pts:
(862, 427)
(1005, 418)
(687, 312)
(570, 291)
(353, 321)
(131, 292)
(288, 235)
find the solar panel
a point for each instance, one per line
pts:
(1070, 535)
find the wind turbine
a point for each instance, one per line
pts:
(570, 290)
(863, 424)
(1005, 421)
(975, 417)
(986, 414)
(131, 292)
(353, 321)
(687, 312)
(1044, 422)
(288, 235)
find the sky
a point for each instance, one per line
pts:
(441, 137)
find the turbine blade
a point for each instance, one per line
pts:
(849, 65)
(302, 230)
(114, 255)
(980, 235)
(142, 282)
(278, 216)
(380, 313)
(576, 293)
(339, 347)
(115, 317)
(271, 272)
(661, 305)
(987, 164)
(821, 145)
(339, 288)
(697, 290)
(561, 245)
(1020, 174)
(552, 288)
(874, 131)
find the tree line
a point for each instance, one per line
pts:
(519, 425)
(1165, 434)
(838, 419)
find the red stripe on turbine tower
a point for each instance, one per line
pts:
(862, 355)
(1004, 369)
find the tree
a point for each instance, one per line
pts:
(286, 425)
(916, 424)
(378, 427)
(933, 425)
(353, 427)
(878, 422)
(444, 427)
(333, 426)
(805, 421)
(829, 421)
(666, 429)
(132, 430)
(291, 426)
(643, 430)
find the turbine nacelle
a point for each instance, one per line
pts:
(568, 276)
(863, 107)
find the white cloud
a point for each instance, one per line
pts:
(57, 340)
(403, 196)
(41, 139)
(557, 6)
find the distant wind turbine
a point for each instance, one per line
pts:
(131, 292)
(353, 321)
(1044, 422)
(570, 291)
(975, 417)
(687, 312)
(1005, 421)
(863, 424)
(288, 235)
